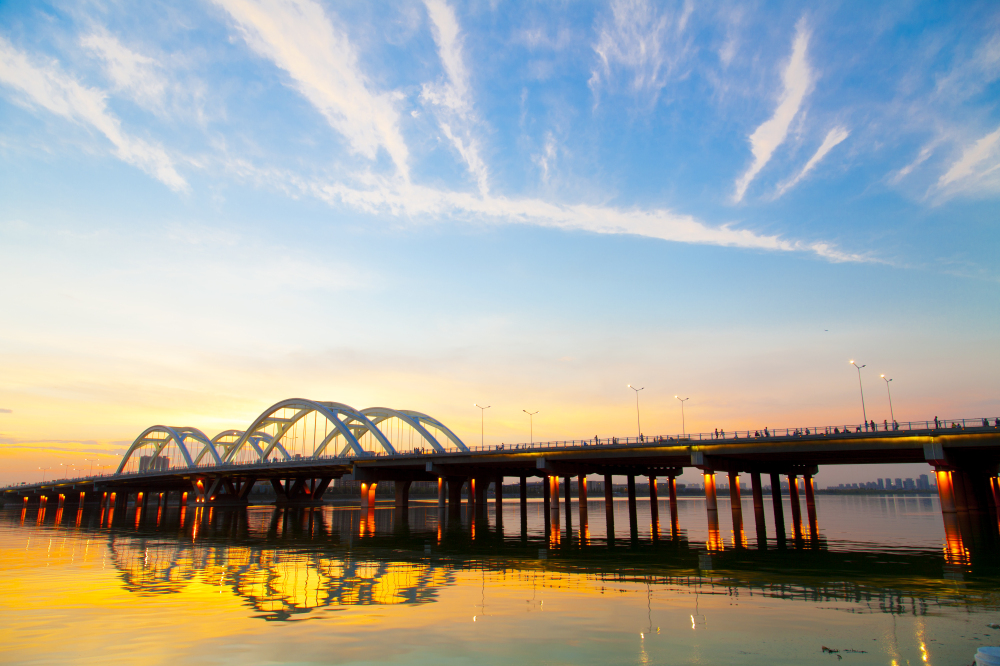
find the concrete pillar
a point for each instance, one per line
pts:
(672, 489)
(609, 506)
(736, 502)
(958, 491)
(145, 501)
(569, 505)
(524, 506)
(995, 488)
(758, 509)
(793, 496)
(581, 483)
(807, 481)
(633, 518)
(473, 496)
(547, 503)
(554, 495)
(498, 499)
(402, 495)
(365, 497)
(779, 509)
(654, 507)
(455, 485)
(711, 502)
(441, 496)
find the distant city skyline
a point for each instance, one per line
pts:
(210, 207)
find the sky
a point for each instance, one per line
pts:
(207, 207)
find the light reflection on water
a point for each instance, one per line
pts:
(220, 585)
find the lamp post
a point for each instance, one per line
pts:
(683, 400)
(637, 422)
(862, 389)
(68, 467)
(482, 412)
(531, 420)
(44, 469)
(891, 415)
(91, 461)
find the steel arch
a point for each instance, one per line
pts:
(415, 420)
(176, 434)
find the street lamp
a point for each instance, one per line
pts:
(68, 467)
(683, 400)
(862, 389)
(890, 398)
(44, 469)
(482, 412)
(637, 423)
(91, 461)
(531, 419)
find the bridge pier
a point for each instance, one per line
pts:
(524, 506)
(633, 518)
(402, 503)
(498, 502)
(779, 509)
(569, 506)
(807, 481)
(581, 483)
(654, 508)
(441, 498)
(609, 507)
(674, 519)
(758, 510)
(736, 502)
(793, 496)
(712, 509)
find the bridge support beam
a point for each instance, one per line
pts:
(569, 505)
(654, 507)
(402, 503)
(524, 506)
(712, 509)
(758, 510)
(581, 483)
(779, 509)
(609, 507)
(674, 519)
(736, 502)
(633, 517)
(498, 501)
(793, 496)
(441, 497)
(807, 482)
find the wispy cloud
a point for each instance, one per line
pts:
(453, 97)
(6, 411)
(797, 80)
(833, 137)
(133, 73)
(300, 38)
(47, 86)
(978, 168)
(547, 156)
(643, 42)
(925, 153)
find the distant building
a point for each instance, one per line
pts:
(880, 485)
(898, 485)
(888, 484)
(909, 485)
(923, 483)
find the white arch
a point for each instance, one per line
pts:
(331, 411)
(431, 421)
(416, 421)
(176, 434)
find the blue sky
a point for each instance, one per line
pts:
(211, 206)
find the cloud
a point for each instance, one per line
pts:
(6, 411)
(453, 97)
(925, 153)
(299, 37)
(547, 156)
(797, 80)
(640, 40)
(833, 137)
(977, 164)
(131, 72)
(45, 85)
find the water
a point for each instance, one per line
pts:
(881, 583)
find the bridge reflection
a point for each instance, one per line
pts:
(287, 563)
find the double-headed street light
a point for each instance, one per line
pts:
(893, 416)
(531, 419)
(863, 412)
(482, 411)
(683, 400)
(91, 461)
(44, 470)
(637, 422)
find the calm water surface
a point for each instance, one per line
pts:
(880, 583)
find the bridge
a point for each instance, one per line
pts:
(301, 446)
